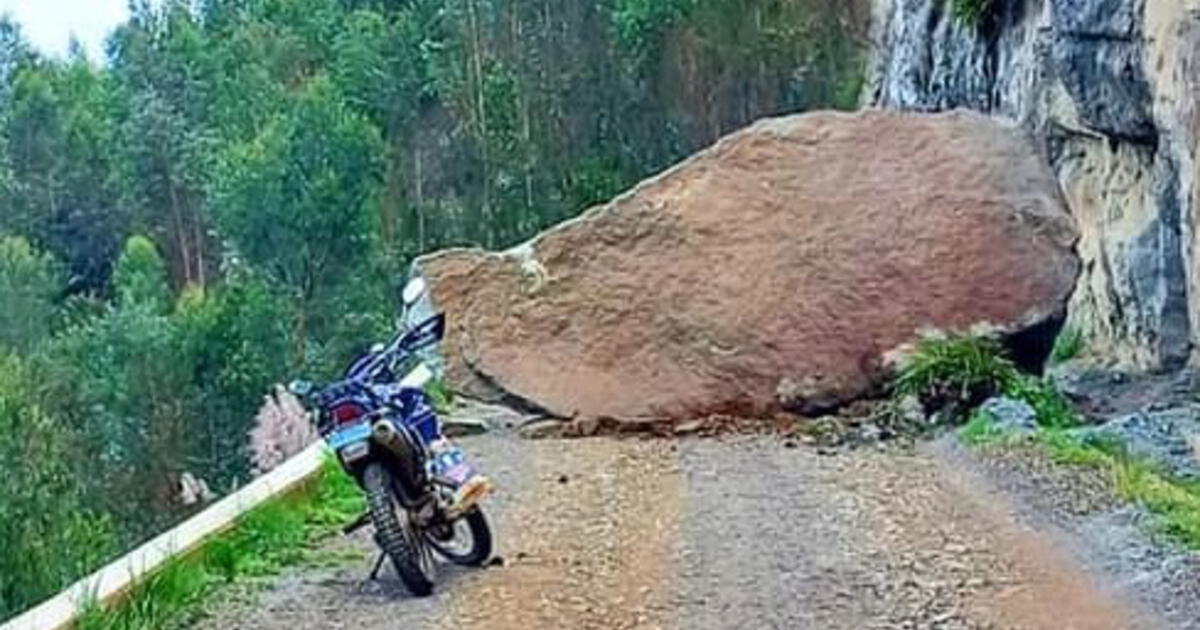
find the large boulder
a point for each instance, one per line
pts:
(782, 263)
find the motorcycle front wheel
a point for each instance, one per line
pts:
(469, 539)
(396, 534)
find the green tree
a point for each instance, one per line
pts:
(30, 283)
(162, 62)
(51, 535)
(58, 189)
(295, 198)
(235, 338)
(123, 381)
(377, 66)
(140, 276)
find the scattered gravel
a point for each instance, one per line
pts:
(1077, 510)
(1170, 438)
(744, 533)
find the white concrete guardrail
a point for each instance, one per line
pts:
(107, 585)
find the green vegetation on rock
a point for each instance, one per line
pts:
(972, 12)
(1068, 345)
(962, 370)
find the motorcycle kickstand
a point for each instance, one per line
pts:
(378, 567)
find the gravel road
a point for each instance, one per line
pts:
(745, 533)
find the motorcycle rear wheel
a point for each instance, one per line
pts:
(395, 533)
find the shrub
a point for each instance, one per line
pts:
(961, 371)
(235, 339)
(123, 379)
(955, 369)
(281, 430)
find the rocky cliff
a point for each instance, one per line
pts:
(1109, 89)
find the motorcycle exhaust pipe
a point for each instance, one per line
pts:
(386, 434)
(389, 436)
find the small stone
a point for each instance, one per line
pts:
(585, 427)
(869, 432)
(457, 426)
(563, 479)
(1010, 414)
(688, 428)
(790, 444)
(541, 429)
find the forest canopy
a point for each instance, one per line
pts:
(231, 195)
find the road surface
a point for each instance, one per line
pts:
(746, 533)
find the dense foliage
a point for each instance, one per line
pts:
(230, 195)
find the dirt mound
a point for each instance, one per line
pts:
(777, 268)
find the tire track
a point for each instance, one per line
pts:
(738, 534)
(590, 544)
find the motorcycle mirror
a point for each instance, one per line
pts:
(377, 348)
(413, 291)
(300, 388)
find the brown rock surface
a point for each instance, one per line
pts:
(797, 251)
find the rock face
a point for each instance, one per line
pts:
(1167, 438)
(791, 256)
(1109, 87)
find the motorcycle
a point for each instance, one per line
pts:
(386, 435)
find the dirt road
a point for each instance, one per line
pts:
(743, 534)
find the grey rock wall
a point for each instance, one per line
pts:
(1109, 88)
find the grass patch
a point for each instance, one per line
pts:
(961, 371)
(955, 368)
(440, 396)
(261, 543)
(1068, 345)
(1174, 503)
(981, 430)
